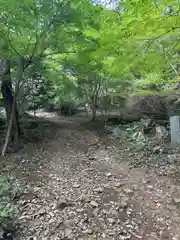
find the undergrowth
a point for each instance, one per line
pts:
(138, 141)
(9, 191)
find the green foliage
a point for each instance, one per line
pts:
(115, 132)
(9, 189)
(79, 47)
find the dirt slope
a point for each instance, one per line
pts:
(76, 189)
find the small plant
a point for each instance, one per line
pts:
(115, 132)
(9, 190)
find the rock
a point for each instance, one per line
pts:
(150, 187)
(63, 204)
(91, 158)
(115, 213)
(88, 231)
(104, 211)
(111, 220)
(117, 184)
(108, 174)
(76, 185)
(36, 189)
(57, 225)
(99, 190)
(176, 200)
(69, 223)
(165, 234)
(94, 204)
(42, 218)
(41, 212)
(153, 236)
(32, 238)
(128, 190)
(22, 202)
(175, 238)
(52, 213)
(83, 198)
(129, 211)
(46, 232)
(67, 232)
(124, 236)
(80, 210)
(96, 212)
(130, 226)
(103, 235)
(145, 181)
(123, 204)
(107, 185)
(51, 221)
(111, 232)
(25, 217)
(171, 207)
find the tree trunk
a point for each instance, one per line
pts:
(10, 105)
(94, 107)
(10, 131)
(93, 112)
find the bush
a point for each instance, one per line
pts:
(153, 106)
(9, 189)
(68, 109)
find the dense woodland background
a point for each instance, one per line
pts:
(83, 52)
(117, 61)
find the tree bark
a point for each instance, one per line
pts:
(93, 112)
(94, 101)
(94, 107)
(10, 105)
(10, 130)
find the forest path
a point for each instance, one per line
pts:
(79, 190)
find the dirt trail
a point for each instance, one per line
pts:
(81, 192)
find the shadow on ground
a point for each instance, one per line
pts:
(40, 134)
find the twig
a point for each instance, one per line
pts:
(170, 64)
(156, 38)
(155, 3)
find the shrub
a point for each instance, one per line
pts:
(9, 189)
(152, 106)
(68, 108)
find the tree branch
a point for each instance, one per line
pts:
(45, 30)
(170, 64)
(156, 38)
(155, 3)
(8, 38)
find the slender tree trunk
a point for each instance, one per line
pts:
(10, 131)
(94, 100)
(94, 107)
(12, 114)
(93, 112)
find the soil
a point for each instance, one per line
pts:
(78, 187)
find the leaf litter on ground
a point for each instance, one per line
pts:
(113, 196)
